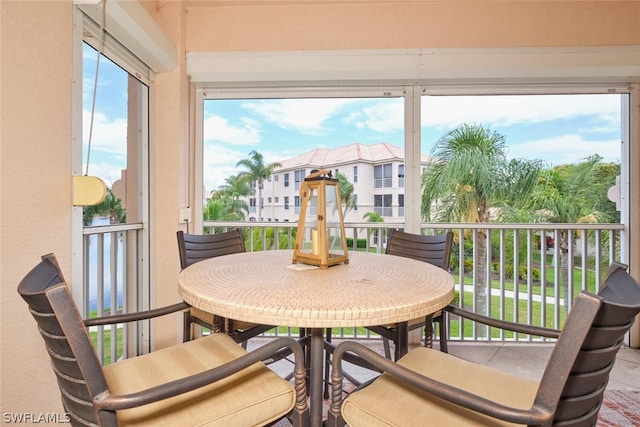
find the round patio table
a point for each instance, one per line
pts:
(265, 288)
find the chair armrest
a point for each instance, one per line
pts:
(503, 324)
(534, 416)
(108, 402)
(133, 317)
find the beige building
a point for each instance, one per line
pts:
(191, 48)
(376, 172)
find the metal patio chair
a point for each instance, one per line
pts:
(198, 247)
(436, 250)
(211, 380)
(428, 387)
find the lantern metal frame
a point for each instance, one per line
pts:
(319, 251)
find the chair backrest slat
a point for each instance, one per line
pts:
(583, 391)
(197, 247)
(435, 249)
(75, 363)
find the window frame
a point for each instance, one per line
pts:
(383, 204)
(412, 95)
(86, 30)
(298, 177)
(385, 180)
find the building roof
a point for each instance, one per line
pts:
(347, 154)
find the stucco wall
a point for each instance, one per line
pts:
(36, 185)
(314, 25)
(35, 81)
(170, 172)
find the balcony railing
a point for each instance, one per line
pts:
(112, 284)
(521, 278)
(522, 275)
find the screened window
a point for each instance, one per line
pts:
(382, 176)
(110, 264)
(382, 204)
(555, 129)
(298, 178)
(276, 122)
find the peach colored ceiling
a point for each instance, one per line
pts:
(318, 25)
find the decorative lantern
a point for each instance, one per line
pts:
(321, 239)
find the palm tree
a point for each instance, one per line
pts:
(469, 179)
(257, 171)
(574, 194)
(372, 217)
(236, 186)
(213, 210)
(110, 206)
(224, 208)
(346, 193)
(228, 205)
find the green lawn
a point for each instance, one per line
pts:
(454, 323)
(107, 343)
(522, 315)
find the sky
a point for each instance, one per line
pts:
(557, 129)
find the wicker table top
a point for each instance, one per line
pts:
(261, 287)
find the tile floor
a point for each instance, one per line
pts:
(522, 358)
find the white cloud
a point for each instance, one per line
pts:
(307, 116)
(109, 172)
(385, 116)
(451, 111)
(565, 149)
(219, 129)
(220, 162)
(109, 134)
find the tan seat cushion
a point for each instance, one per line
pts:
(390, 402)
(255, 396)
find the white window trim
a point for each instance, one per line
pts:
(86, 30)
(411, 73)
(134, 29)
(605, 64)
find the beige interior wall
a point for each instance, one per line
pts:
(634, 199)
(301, 25)
(35, 119)
(35, 179)
(312, 25)
(169, 171)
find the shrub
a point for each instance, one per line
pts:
(468, 265)
(361, 243)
